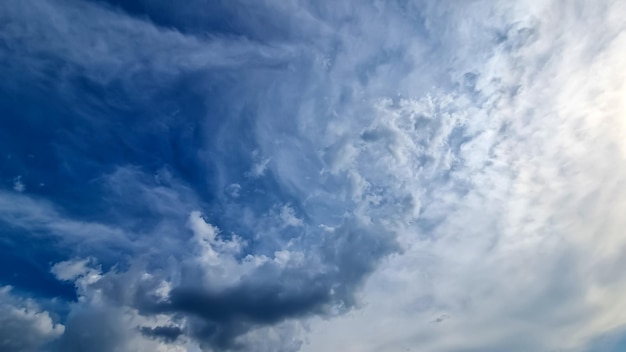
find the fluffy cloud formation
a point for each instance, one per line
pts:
(24, 326)
(310, 176)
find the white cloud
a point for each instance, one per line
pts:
(18, 185)
(527, 224)
(83, 272)
(258, 168)
(24, 326)
(41, 216)
(233, 190)
(288, 216)
(70, 270)
(487, 138)
(212, 250)
(105, 42)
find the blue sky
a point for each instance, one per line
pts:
(300, 175)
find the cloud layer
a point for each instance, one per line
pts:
(311, 176)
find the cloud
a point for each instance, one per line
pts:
(70, 270)
(40, 216)
(24, 326)
(319, 175)
(511, 226)
(18, 185)
(106, 44)
(167, 333)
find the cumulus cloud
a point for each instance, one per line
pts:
(24, 326)
(321, 176)
(70, 270)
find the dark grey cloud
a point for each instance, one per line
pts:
(257, 304)
(226, 315)
(269, 295)
(166, 333)
(94, 328)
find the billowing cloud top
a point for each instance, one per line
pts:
(320, 175)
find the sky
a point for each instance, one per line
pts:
(294, 175)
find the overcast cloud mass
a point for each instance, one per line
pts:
(294, 175)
